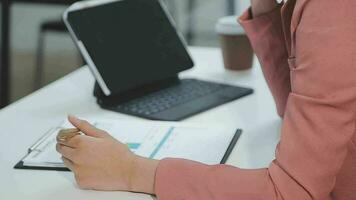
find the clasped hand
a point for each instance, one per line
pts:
(101, 162)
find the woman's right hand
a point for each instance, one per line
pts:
(100, 162)
(260, 7)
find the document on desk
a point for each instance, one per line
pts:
(156, 140)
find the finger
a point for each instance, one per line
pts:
(71, 142)
(68, 163)
(66, 151)
(76, 142)
(66, 134)
(86, 127)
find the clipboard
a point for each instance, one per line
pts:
(20, 164)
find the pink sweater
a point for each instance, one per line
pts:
(308, 52)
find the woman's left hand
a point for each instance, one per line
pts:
(101, 162)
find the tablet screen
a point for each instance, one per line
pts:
(131, 42)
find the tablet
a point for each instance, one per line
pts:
(127, 43)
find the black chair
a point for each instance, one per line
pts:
(48, 26)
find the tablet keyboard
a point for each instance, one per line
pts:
(188, 90)
(170, 97)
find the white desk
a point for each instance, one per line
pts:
(23, 122)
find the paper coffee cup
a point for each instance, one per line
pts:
(236, 49)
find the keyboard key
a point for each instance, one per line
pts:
(184, 92)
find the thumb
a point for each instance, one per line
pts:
(86, 127)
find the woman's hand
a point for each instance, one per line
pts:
(101, 162)
(260, 7)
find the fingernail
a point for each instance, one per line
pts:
(72, 117)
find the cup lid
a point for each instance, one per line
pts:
(229, 26)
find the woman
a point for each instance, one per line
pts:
(308, 52)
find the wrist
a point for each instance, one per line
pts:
(143, 175)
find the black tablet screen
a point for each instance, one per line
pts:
(131, 42)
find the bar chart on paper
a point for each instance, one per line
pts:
(158, 141)
(133, 146)
(145, 140)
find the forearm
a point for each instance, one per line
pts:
(260, 7)
(178, 179)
